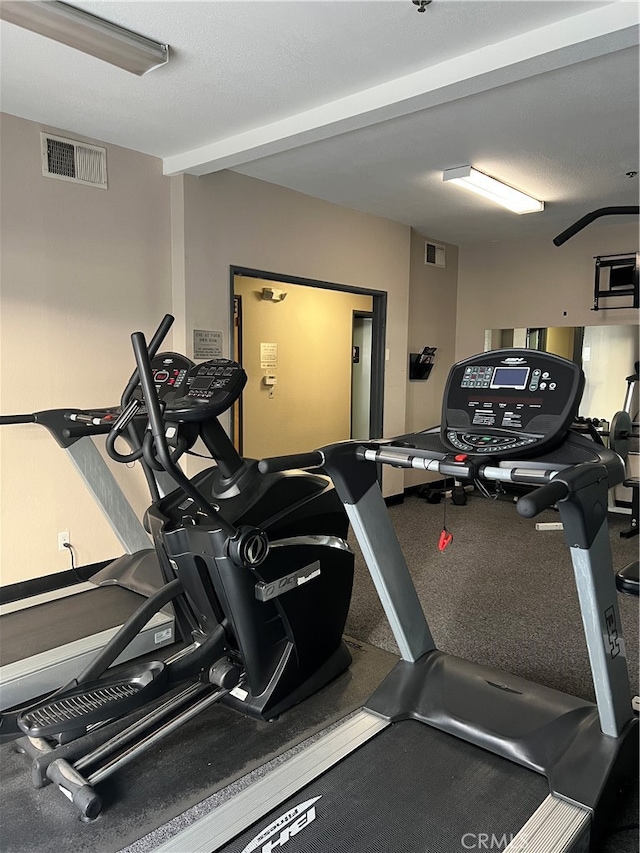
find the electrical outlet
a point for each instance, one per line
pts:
(63, 539)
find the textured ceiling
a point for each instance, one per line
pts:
(364, 103)
(570, 148)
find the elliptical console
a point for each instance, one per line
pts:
(209, 390)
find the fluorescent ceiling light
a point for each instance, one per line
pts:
(492, 189)
(87, 33)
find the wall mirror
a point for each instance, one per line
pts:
(607, 354)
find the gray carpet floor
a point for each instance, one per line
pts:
(502, 594)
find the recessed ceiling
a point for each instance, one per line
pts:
(365, 103)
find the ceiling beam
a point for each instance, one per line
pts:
(581, 37)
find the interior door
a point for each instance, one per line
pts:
(361, 374)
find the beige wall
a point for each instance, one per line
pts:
(311, 403)
(230, 219)
(81, 268)
(432, 319)
(528, 283)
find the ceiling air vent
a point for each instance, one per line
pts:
(73, 161)
(434, 255)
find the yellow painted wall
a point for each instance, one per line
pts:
(311, 403)
(560, 341)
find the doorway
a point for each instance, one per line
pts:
(295, 341)
(361, 339)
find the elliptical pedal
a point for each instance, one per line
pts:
(97, 701)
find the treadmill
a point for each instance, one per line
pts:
(448, 755)
(47, 639)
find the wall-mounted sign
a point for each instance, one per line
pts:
(207, 344)
(268, 356)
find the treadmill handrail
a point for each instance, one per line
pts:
(5, 420)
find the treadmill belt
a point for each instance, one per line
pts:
(55, 623)
(411, 789)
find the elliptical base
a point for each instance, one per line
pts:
(268, 707)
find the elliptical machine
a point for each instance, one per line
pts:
(257, 569)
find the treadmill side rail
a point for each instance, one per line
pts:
(215, 829)
(42, 673)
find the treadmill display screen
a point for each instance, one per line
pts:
(510, 377)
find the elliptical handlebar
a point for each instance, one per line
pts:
(121, 423)
(154, 345)
(156, 422)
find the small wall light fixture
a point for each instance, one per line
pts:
(491, 188)
(87, 33)
(271, 294)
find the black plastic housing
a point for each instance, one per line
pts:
(510, 402)
(290, 643)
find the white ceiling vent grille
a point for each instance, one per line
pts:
(434, 255)
(73, 161)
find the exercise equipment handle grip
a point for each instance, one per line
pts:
(17, 419)
(154, 345)
(314, 459)
(89, 429)
(532, 504)
(154, 413)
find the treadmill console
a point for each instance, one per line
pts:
(510, 400)
(209, 390)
